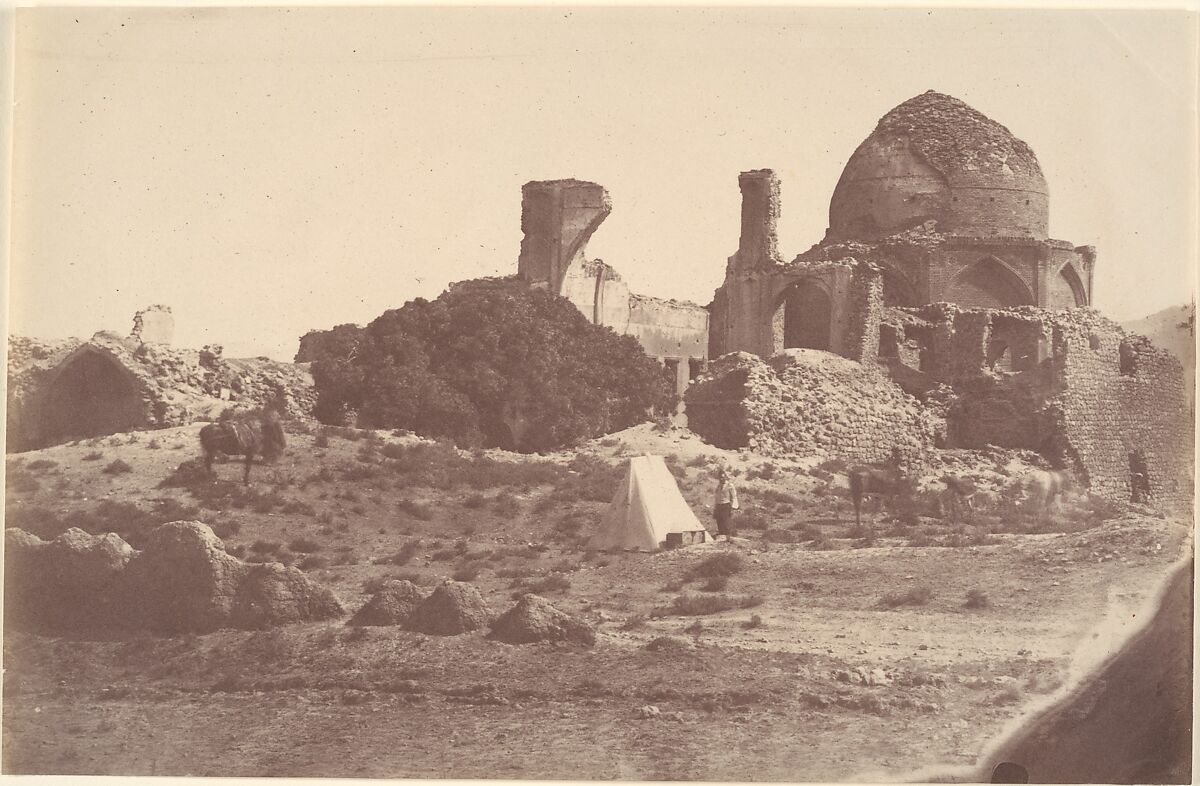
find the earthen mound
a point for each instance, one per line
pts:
(454, 607)
(271, 594)
(62, 584)
(393, 604)
(184, 581)
(534, 618)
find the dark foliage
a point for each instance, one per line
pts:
(519, 369)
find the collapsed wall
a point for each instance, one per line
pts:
(1071, 385)
(558, 217)
(810, 403)
(60, 391)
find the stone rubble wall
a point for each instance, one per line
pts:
(810, 403)
(173, 386)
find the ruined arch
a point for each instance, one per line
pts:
(90, 394)
(804, 316)
(989, 283)
(1065, 289)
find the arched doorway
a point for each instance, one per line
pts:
(91, 396)
(807, 316)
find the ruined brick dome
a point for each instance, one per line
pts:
(935, 158)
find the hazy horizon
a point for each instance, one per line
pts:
(266, 172)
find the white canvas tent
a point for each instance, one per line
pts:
(646, 509)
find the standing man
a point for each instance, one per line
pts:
(726, 503)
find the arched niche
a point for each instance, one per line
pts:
(1066, 290)
(91, 394)
(989, 283)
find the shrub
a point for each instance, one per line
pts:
(781, 536)
(40, 464)
(21, 480)
(313, 562)
(977, 599)
(321, 440)
(304, 546)
(555, 582)
(117, 467)
(459, 366)
(716, 566)
(401, 557)
(95, 455)
(751, 518)
(696, 605)
(415, 509)
(265, 547)
(917, 596)
(225, 528)
(467, 572)
(755, 621)
(696, 628)
(506, 505)
(715, 584)
(474, 501)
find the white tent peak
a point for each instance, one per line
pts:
(646, 509)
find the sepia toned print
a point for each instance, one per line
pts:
(841, 465)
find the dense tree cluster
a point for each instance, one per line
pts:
(515, 368)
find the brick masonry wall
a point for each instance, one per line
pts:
(1107, 415)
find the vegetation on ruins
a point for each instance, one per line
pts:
(518, 369)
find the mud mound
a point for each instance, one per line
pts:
(454, 607)
(184, 581)
(533, 618)
(271, 594)
(393, 604)
(66, 583)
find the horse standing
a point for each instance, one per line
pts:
(1043, 487)
(882, 481)
(247, 436)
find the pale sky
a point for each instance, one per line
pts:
(265, 172)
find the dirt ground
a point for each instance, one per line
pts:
(850, 653)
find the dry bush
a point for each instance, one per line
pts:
(555, 582)
(917, 596)
(415, 510)
(977, 599)
(696, 605)
(726, 564)
(117, 467)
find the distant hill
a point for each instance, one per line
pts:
(1173, 329)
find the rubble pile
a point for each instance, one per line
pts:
(809, 403)
(141, 384)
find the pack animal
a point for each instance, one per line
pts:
(1044, 487)
(880, 481)
(247, 436)
(959, 495)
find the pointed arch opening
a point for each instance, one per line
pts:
(989, 283)
(1066, 289)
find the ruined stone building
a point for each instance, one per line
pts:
(937, 274)
(66, 390)
(558, 217)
